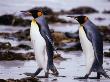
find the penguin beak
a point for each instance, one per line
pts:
(27, 13)
(73, 17)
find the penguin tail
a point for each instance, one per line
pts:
(102, 72)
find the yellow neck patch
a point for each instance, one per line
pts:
(81, 28)
(33, 23)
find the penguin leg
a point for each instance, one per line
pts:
(101, 71)
(37, 72)
(98, 76)
(47, 72)
(50, 59)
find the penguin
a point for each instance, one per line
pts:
(42, 43)
(92, 46)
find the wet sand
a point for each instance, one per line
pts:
(74, 66)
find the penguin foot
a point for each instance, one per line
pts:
(94, 77)
(54, 70)
(46, 75)
(80, 78)
(28, 74)
(85, 77)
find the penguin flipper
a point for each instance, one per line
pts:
(95, 38)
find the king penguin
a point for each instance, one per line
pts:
(42, 43)
(92, 46)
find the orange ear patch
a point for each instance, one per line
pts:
(39, 13)
(85, 18)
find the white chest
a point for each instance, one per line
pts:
(36, 37)
(85, 43)
(87, 48)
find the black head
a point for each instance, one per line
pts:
(80, 19)
(34, 13)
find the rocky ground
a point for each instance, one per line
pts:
(64, 41)
(21, 80)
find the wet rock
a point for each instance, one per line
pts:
(13, 20)
(74, 36)
(58, 57)
(13, 55)
(80, 10)
(23, 46)
(105, 31)
(55, 19)
(58, 37)
(106, 12)
(5, 45)
(69, 46)
(10, 55)
(83, 10)
(100, 19)
(107, 54)
(2, 80)
(22, 35)
(17, 21)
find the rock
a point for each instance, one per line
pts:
(100, 19)
(17, 21)
(58, 37)
(55, 19)
(105, 31)
(2, 80)
(58, 57)
(83, 10)
(10, 55)
(106, 12)
(69, 46)
(13, 20)
(22, 35)
(5, 45)
(80, 10)
(23, 46)
(107, 54)
(74, 36)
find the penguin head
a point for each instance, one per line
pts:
(34, 13)
(80, 19)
